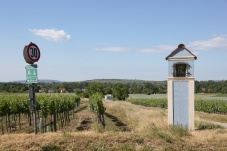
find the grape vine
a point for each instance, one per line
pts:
(53, 110)
(96, 105)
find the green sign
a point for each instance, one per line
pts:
(31, 74)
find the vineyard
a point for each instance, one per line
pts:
(208, 106)
(53, 112)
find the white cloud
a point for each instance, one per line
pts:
(113, 49)
(149, 50)
(155, 49)
(218, 42)
(158, 49)
(51, 34)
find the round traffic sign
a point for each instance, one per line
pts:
(31, 53)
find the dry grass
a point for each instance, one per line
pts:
(75, 141)
(146, 129)
(138, 118)
(214, 117)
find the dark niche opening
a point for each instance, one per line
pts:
(180, 70)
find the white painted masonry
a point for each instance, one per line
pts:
(191, 117)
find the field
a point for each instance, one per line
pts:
(202, 96)
(128, 127)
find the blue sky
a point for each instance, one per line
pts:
(112, 39)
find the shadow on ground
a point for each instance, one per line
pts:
(118, 123)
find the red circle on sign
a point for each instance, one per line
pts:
(33, 52)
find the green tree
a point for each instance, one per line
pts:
(84, 94)
(77, 91)
(155, 89)
(107, 90)
(120, 91)
(95, 88)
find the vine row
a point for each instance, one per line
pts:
(52, 110)
(208, 106)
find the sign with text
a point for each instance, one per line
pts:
(31, 53)
(31, 74)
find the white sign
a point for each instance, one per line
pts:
(31, 53)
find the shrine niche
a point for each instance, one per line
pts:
(181, 70)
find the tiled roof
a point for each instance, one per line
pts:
(181, 46)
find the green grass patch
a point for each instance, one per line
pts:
(145, 96)
(158, 133)
(162, 103)
(221, 95)
(179, 131)
(51, 148)
(207, 125)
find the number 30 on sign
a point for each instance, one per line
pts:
(31, 53)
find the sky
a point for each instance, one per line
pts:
(112, 39)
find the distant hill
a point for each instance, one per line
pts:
(121, 81)
(40, 81)
(96, 80)
(50, 81)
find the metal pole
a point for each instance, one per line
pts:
(33, 104)
(34, 115)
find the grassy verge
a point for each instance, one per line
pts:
(202, 125)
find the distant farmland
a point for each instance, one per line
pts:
(199, 96)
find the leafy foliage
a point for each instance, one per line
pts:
(120, 92)
(162, 103)
(46, 105)
(211, 86)
(96, 105)
(95, 88)
(105, 86)
(209, 106)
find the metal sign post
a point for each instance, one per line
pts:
(31, 54)
(32, 105)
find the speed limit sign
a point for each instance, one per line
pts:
(31, 53)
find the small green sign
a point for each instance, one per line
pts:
(31, 74)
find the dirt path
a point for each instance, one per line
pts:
(216, 123)
(221, 124)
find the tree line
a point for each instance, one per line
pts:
(112, 87)
(211, 86)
